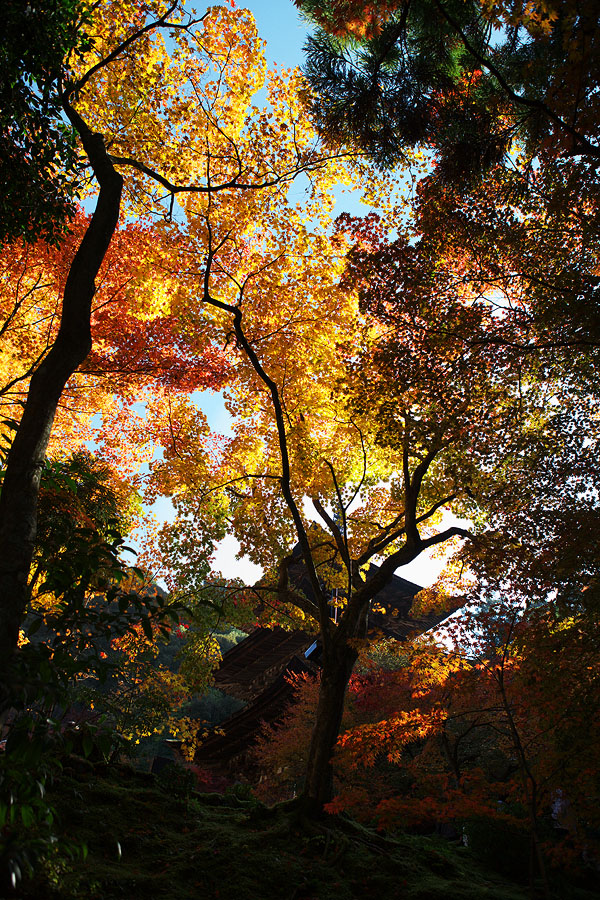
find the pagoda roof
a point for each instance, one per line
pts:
(228, 748)
(259, 668)
(257, 660)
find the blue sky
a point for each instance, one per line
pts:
(280, 25)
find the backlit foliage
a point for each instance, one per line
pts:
(436, 356)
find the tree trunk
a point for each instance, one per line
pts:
(18, 500)
(338, 663)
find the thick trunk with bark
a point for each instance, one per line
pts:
(338, 663)
(18, 500)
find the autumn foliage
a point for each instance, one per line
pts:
(420, 378)
(497, 730)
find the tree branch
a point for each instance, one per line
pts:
(285, 478)
(586, 145)
(76, 86)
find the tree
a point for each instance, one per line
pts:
(451, 379)
(138, 353)
(489, 731)
(37, 148)
(380, 440)
(382, 395)
(504, 99)
(534, 505)
(496, 728)
(78, 495)
(127, 93)
(90, 619)
(465, 79)
(438, 408)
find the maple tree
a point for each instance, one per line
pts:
(264, 153)
(502, 90)
(512, 440)
(492, 733)
(138, 351)
(375, 382)
(412, 397)
(127, 92)
(530, 306)
(314, 421)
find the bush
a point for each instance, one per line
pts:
(502, 846)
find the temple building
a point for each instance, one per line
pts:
(258, 671)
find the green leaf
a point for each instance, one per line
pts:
(27, 816)
(88, 745)
(35, 626)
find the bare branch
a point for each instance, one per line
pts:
(340, 539)
(231, 183)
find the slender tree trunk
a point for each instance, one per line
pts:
(338, 663)
(18, 500)
(529, 790)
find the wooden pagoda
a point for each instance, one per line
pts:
(260, 670)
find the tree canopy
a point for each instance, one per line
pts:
(39, 171)
(466, 78)
(433, 357)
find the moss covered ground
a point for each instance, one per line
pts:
(153, 838)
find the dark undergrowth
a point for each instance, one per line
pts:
(149, 838)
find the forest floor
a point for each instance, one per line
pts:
(154, 837)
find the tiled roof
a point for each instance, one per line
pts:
(241, 729)
(257, 668)
(252, 664)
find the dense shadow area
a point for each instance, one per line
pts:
(156, 837)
